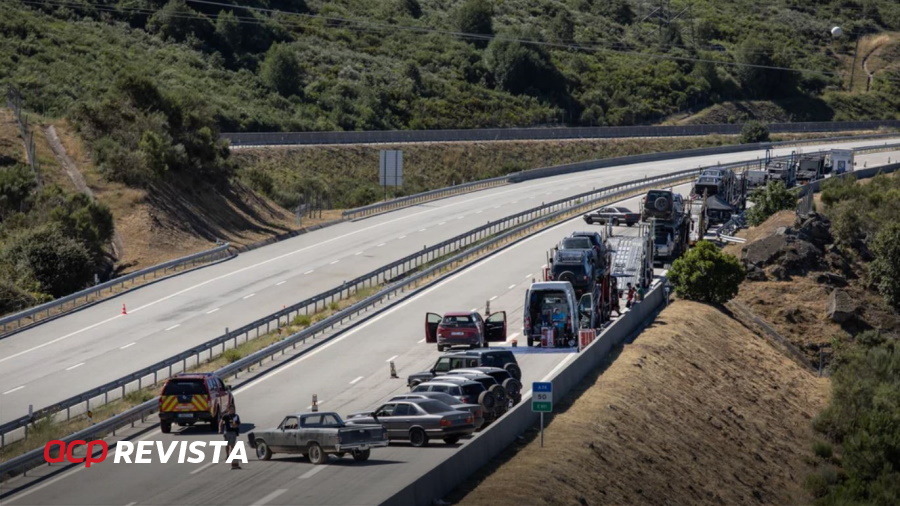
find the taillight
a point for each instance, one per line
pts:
(478, 413)
(445, 422)
(466, 399)
(470, 420)
(527, 323)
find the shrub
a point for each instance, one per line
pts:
(754, 131)
(57, 264)
(16, 184)
(281, 70)
(768, 201)
(706, 274)
(523, 69)
(476, 17)
(822, 450)
(334, 305)
(302, 320)
(232, 355)
(885, 269)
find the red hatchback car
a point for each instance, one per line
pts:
(464, 329)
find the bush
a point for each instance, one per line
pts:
(16, 184)
(822, 450)
(476, 17)
(768, 201)
(706, 274)
(50, 261)
(754, 131)
(281, 70)
(232, 355)
(523, 69)
(302, 320)
(885, 269)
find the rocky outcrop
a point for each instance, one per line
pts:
(840, 306)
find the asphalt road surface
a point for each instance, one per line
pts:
(87, 348)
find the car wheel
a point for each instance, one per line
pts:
(502, 399)
(630, 224)
(514, 389)
(263, 452)
(451, 440)
(440, 348)
(488, 401)
(165, 427)
(417, 437)
(484, 344)
(530, 342)
(361, 455)
(316, 455)
(589, 220)
(514, 370)
(615, 222)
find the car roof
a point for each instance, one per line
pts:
(193, 376)
(468, 374)
(450, 380)
(460, 313)
(483, 369)
(312, 413)
(423, 395)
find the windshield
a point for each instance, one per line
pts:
(579, 270)
(433, 407)
(663, 236)
(576, 243)
(458, 321)
(193, 387)
(473, 389)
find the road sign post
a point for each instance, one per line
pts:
(542, 401)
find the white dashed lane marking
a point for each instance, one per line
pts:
(280, 283)
(248, 296)
(173, 327)
(127, 346)
(213, 311)
(356, 380)
(14, 390)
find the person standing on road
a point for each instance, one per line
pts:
(640, 293)
(230, 425)
(631, 293)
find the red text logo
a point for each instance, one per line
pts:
(66, 452)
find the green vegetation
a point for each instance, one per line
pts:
(754, 131)
(863, 420)
(706, 274)
(769, 200)
(863, 218)
(51, 242)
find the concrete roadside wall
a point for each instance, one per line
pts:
(441, 480)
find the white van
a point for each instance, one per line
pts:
(553, 304)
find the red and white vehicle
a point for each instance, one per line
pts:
(464, 328)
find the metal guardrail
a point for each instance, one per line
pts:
(380, 207)
(512, 134)
(419, 198)
(557, 210)
(386, 274)
(14, 322)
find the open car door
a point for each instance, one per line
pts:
(432, 320)
(495, 327)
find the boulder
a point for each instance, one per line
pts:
(832, 279)
(840, 306)
(817, 230)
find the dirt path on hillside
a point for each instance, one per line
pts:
(78, 180)
(698, 410)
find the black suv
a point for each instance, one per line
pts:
(468, 359)
(575, 266)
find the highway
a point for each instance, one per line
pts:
(84, 349)
(348, 374)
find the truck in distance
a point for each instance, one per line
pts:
(663, 211)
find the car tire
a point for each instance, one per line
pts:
(214, 423)
(615, 222)
(513, 389)
(451, 440)
(514, 370)
(165, 427)
(630, 224)
(440, 348)
(488, 401)
(316, 455)
(417, 437)
(589, 220)
(361, 455)
(263, 452)
(485, 344)
(530, 341)
(502, 399)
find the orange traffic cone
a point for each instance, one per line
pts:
(123, 309)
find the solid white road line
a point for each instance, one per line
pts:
(248, 296)
(479, 212)
(127, 346)
(75, 366)
(356, 380)
(14, 390)
(280, 283)
(173, 327)
(312, 472)
(132, 503)
(212, 311)
(510, 287)
(271, 497)
(392, 358)
(204, 466)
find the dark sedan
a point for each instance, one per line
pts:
(449, 400)
(418, 420)
(616, 215)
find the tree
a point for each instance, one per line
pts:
(706, 274)
(523, 69)
(176, 21)
(754, 131)
(281, 70)
(885, 269)
(410, 8)
(476, 17)
(45, 257)
(16, 183)
(756, 76)
(768, 201)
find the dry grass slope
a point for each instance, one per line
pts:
(697, 411)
